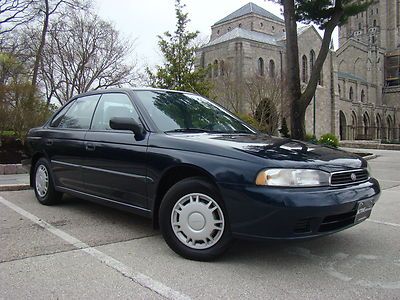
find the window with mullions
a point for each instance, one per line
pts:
(392, 69)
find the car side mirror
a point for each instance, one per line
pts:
(130, 124)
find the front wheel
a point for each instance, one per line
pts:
(43, 184)
(193, 220)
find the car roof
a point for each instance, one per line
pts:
(126, 90)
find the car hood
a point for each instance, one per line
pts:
(268, 150)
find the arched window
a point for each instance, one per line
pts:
(321, 78)
(271, 68)
(359, 26)
(260, 67)
(353, 125)
(389, 127)
(351, 93)
(340, 91)
(215, 68)
(209, 70)
(378, 124)
(362, 96)
(240, 25)
(342, 126)
(366, 125)
(222, 68)
(374, 23)
(312, 59)
(304, 69)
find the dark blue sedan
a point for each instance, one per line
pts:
(200, 173)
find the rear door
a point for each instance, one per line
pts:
(115, 166)
(64, 141)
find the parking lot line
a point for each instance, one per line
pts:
(139, 278)
(384, 223)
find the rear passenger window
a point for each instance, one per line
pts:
(110, 106)
(80, 114)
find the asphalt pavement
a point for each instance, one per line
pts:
(82, 250)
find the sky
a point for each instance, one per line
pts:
(144, 20)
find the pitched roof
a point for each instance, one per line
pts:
(300, 30)
(248, 9)
(245, 34)
(351, 76)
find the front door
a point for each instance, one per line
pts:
(115, 166)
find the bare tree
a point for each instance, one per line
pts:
(84, 52)
(267, 100)
(14, 13)
(262, 98)
(227, 89)
(47, 8)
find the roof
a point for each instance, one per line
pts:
(245, 34)
(250, 8)
(350, 76)
(300, 30)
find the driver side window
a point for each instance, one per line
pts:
(110, 106)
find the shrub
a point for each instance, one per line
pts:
(329, 139)
(311, 138)
(249, 119)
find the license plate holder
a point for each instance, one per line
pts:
(364, 208)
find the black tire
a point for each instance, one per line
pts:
(173, 195)
(51, 196)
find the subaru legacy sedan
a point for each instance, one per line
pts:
(202, 175)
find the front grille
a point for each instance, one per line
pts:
(349, 177)
(302, 226)
(336, 222)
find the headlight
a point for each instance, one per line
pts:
(292, 178)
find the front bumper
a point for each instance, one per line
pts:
(294, 213)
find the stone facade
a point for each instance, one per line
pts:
(358, 96)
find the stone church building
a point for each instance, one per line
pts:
(358, 95)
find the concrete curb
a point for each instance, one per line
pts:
(11, 169)
(369, 157)
(14, 187)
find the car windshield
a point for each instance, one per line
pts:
(179, 112)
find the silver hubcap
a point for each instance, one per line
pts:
(42, 180)
(197, 221)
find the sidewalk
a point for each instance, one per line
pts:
(14, 182)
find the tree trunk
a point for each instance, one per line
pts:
(309, 92)
(39, 52)
(299, 101)
(292, 69)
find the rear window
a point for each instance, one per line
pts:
(80, 114)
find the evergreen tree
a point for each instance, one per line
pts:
(327, 14)
(178, 49)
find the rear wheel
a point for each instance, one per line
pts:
(43, 184)
(193, 220)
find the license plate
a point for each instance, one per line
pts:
(364, 209)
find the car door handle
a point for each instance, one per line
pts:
(90, 147)
(49, 142)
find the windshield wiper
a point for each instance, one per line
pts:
(193, 130)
